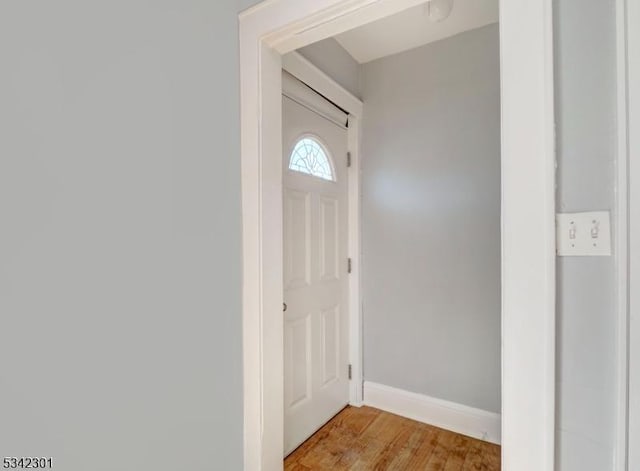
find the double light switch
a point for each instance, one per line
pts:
(583, 234)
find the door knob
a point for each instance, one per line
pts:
(284, 307)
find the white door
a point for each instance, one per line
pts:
(315, 269)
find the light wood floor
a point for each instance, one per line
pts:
(369, 439)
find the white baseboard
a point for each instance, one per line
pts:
(476, 423)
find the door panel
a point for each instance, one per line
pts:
(297, 232)
(330, 344)
(298, 352)
(329, 239)
(315, 277)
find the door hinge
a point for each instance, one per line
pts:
(350, 372)
(348, 159)
(349, 265)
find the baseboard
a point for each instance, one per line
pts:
(476, 423)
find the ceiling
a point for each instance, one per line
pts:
(412, 28)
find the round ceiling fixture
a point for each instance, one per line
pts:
(439, 10)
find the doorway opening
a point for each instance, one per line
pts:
(268, 33)
(429, 261)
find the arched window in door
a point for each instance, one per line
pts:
(310, 157)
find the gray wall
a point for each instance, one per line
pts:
(431, 220)
(120, 318)
(330, 57)
(120, 306)
(244, 4)
(586, 130)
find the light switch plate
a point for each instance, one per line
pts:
(583, 234)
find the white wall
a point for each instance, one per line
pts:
(431, 220)
(586, 130)
(119, 250)
(330, 57)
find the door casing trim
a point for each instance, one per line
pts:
(621, 217)
(628, 195)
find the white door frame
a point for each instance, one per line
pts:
(629, 155)
(622, 249)
(276, 27)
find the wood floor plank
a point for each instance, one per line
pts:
(457, 453)
(392, 449)
(419, 450)
(474, 458)
(367, 439)
(491, 457)
(440, 454)
(294, 466)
